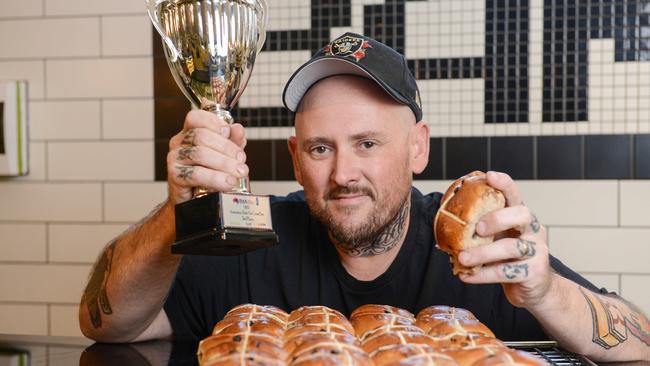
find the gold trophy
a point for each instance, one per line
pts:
(210, 46)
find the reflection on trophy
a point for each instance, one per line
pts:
(210, 47)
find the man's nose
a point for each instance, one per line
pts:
(346, 168)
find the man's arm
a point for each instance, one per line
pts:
(602, 327)
(125, 295)
(130, 281)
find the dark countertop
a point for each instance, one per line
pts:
(67, 351)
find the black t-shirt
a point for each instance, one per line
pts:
(304, 269)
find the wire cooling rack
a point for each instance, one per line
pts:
(551, 353)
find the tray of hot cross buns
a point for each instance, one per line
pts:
(377, 335)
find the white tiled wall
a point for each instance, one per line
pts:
(89, 67)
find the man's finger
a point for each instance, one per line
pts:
(198, 118)
(499, 251)
(515, 217)
(510, 272)
(197, 176)
(505, 184)
(208, 158)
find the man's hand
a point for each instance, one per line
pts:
(208, 153)
(518, 259)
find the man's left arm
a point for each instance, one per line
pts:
(602, 327)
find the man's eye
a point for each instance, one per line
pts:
(368, 144)
(319, 150)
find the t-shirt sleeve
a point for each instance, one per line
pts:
(566, 272)
(203, 290)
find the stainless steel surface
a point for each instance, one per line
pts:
(211, 46)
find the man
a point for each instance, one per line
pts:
(359, 235)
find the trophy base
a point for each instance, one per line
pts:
(199, 230)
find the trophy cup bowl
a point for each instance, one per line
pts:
(210, 46)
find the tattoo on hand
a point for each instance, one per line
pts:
(526, 248)
(185, 172)
(515, 271)
(95, 296)
(188, 138)
(185, 153)
(535, 224)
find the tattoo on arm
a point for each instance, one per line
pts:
(95, 296)
(610, 326)
(515, 271)
(534, 225)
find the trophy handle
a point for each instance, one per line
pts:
(152, 9)
(262, 21)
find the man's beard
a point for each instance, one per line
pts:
(380, 231)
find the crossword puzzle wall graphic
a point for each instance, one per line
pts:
(543, 89)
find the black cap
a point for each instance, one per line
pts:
(354, 54)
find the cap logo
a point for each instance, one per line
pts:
(348, 46)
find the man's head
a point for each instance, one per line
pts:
(355, 150)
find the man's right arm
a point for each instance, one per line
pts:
(125, 294)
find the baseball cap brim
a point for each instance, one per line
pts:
(321, 68)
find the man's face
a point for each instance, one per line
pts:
(352, 155)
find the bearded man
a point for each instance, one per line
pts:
(359, 234)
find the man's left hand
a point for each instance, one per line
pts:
(518, 258)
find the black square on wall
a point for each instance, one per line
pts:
(642, 156)
(513, 155)
(608, 157)
(464, 155)
(559, 157)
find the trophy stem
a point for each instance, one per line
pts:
(243, 184)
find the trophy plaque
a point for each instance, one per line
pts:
(210, 46)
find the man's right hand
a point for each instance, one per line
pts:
(207, 153)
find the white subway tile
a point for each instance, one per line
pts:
(127, 202)
(29, 201)
(24, 8)
(128, 119)
(71, 37)
(635, 196)
(43, 283)
(604, 250)
(23, 319)
(634, 288)
(37, 167)
(32, 71)
(101, 160)
(67, 120)
(80, 243)
(126, 35)
(99, 7)
(569, 202)
(64, 321)
(608, 281)
(100, 78)
(22, 242)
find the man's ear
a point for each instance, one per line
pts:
(419, 147)
(293, 150)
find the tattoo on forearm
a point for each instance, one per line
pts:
(515, 271)
(526, 248)
(185, 153)
(185, 172)
(637, 323)
(95, 296)
(188, 138)
(534, 225)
